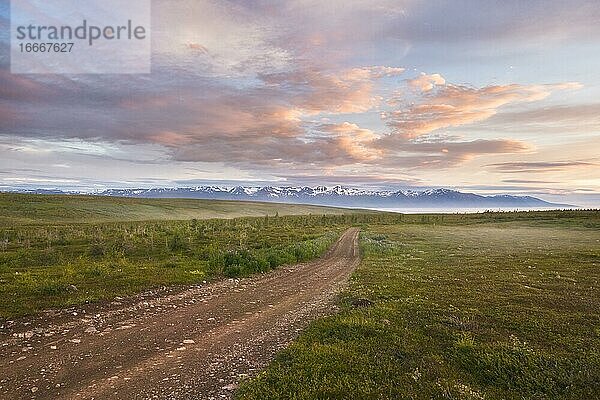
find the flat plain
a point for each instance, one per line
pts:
(449, 306)
(60, 251)
(485, 306)
(29, 209)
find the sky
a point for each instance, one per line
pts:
(480, 96)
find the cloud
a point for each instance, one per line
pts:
(314, 91)
(452, 105)
(572, 118)
(17, 88)
(297, 89)
(444, 154)
(330, 145)
(469, 148)
(266, 125)
(527, 181)
(541, 166)
(170, 139)
(354, 141)
(379, 71)
(197, 48)
(261, 125)
(217, 39)
(459, 22)
(425, 82)
(329, 32)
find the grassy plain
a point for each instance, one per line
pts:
(486, 306)
(482, 306)
(30, 209)
(57, 251)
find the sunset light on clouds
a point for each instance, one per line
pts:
(483, 96)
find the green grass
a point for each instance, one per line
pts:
(49, 266)
(59, 251)
(496, 306)
(22, 209)
(492, 305)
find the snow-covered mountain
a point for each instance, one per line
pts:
(338, 196)
(331, 196)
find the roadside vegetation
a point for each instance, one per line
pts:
(486, 306)
(50, 266)
(68, 258)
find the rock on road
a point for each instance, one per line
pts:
(192, 344)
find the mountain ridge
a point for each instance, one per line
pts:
(328, 196)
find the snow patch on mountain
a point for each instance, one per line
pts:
(334, 196)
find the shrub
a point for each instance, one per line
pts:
(51, 288)
(177, 243)
(97, 250)
(26, 258)
(243, 262)
(94, 271)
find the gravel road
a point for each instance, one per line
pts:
(171, 344)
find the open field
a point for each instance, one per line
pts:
(21, 209)
(61, 265)
(457, 309)
(58, 251)
(491, 305)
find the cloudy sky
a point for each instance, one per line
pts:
(478, 95)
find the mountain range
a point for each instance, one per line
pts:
(333, 196)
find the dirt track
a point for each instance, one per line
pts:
(195, 344)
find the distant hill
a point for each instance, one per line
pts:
(339, 196)
(20, 209)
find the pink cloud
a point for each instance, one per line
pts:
(425, 82)
(348, 91)
(197, 48)
(170, 139)
(456, 105)
(21, 88)
(356, 142)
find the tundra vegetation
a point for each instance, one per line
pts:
(486, 306)
(489, 305)
(56, 251)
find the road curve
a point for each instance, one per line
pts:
(195, 344)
